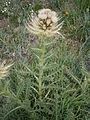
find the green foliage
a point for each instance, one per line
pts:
(48, 80)
(15, 10)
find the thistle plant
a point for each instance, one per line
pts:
(4, 70)
(45, 23)
(45, 26)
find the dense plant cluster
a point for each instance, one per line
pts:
(44, 60)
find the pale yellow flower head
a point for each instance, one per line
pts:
(4, 70)
(45, 23)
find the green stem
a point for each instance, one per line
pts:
(41, 64)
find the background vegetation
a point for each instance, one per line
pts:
(66, 79)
